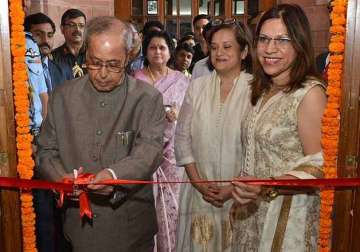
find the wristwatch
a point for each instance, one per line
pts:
(270, 193)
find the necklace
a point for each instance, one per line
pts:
(152, 75)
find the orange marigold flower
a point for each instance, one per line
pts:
(337, 29)
(339, 9)
(337, 38)
(338, 20)
(336, 47)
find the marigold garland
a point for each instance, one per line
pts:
(331, 118)
(25, 164)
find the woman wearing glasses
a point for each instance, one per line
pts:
(208, 140)
(158, 49)
(281, 135)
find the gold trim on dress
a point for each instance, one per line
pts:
(313, 170)
(202, 231)
(226, 234)
(281, 224)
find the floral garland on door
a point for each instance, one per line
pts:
(331, 119)
(25, 165)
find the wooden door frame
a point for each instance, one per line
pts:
(10, 225)
(346, 226)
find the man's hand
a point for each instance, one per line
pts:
(101, 189)
(171, 115)
(72, 176)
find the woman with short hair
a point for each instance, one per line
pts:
(208, 140)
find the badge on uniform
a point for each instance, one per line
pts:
(32, 56)
(77, 71)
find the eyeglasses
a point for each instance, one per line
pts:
(279, 42)
(74, 26)
(111, 66)
(219, 21)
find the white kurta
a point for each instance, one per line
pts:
(209, 134)
(273, 148)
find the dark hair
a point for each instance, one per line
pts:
(201, 16)
(71, 14)
(151, 24)
(37, 18)
(206, 31)
(243, 37)
(299, 32)
(185, 38)
(186, 47)
(157, 34)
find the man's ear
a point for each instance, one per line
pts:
(62, 29)
(244, 52)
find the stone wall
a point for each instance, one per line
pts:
(55, 8)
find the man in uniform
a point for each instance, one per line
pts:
(48, 234)
(37, 85)
(43, 29)
(111, 125)
(71, 55)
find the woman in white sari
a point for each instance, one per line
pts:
(281, 135)
(207, 140)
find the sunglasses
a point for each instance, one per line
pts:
(220, 21)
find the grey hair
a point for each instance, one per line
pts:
(100, 25)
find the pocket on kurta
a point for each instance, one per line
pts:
(124, 142)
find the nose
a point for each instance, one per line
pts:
(157, 50)
(77, 27)
(103, 72)
(46, 39)
(219, 51)
(270, 47)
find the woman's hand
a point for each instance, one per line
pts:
(216, 195)
(209, 193)
(244, 193)
(225, 193)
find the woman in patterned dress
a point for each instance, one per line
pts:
(158, 50)
(281, 136)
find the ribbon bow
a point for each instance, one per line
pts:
(79, 184)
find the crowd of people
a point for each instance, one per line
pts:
(224, 104)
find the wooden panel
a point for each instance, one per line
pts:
(10, 233)
(228, 8)
(122, 9)
(265, 5)
(347, 203)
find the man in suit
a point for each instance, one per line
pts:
(43, 29)
(111, 125)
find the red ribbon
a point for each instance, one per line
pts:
(68, 186)
(84, 203)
